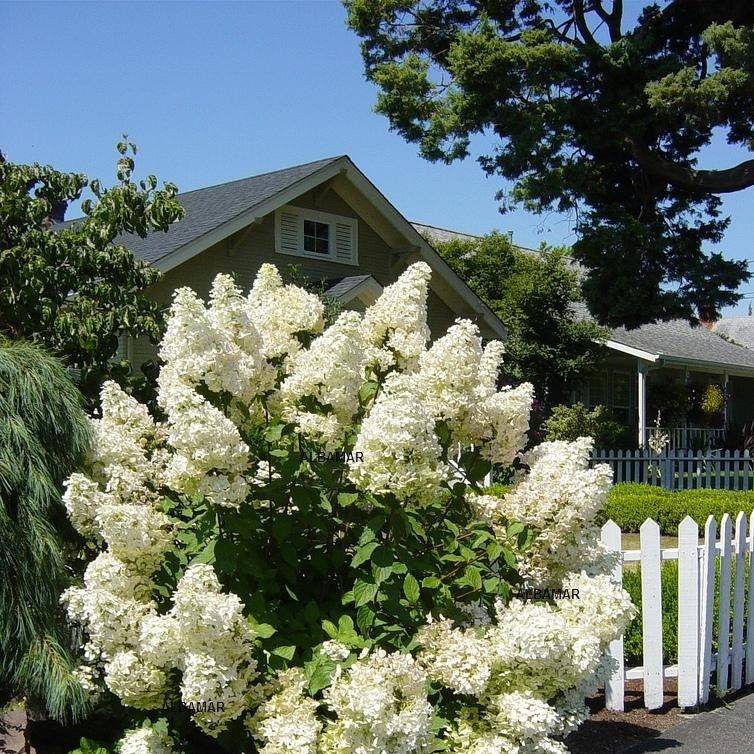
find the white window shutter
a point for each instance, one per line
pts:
(288, 236)
(345, 241)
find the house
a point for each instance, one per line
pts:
(325, 217)
(655, 356)
(644, 367)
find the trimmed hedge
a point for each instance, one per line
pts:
(632, 641)
(630, 504)
(632, 638)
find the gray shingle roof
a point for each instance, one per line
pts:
(340, 287)
(679, 340)
(738, 329)
(442, 234)
(208, 208)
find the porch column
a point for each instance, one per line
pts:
(642, 403)
(726, 408)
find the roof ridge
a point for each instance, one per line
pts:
(261, 175)
(449, 230)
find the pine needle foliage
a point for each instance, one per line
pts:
(44, 434)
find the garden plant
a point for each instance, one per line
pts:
(294, 556)
(44, 434)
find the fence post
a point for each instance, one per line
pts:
(737, 638)
(708, 608)
(651, 614)
(750, 609)
(611, 538)
(688, 613)
(723, 638)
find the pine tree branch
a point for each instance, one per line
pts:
(723, 181)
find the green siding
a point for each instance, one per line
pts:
(243, 253)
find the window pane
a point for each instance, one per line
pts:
(621, 390)
(597, 389)
(316, 237)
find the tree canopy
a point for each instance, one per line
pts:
(591, 114)
(72, 287)
(535, 295)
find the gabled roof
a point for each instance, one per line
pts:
(216, 212)
(341, 286)
(363, 287)
(681, 343)
(208, 208)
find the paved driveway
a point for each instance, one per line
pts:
(725, 730)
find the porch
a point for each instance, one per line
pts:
(700, 385)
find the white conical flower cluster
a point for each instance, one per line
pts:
(241, 368)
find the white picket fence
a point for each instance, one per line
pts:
(681, 469)
(698, 667)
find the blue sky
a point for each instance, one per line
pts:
(212, 91)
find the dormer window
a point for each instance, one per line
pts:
(311, 233)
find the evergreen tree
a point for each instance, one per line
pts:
(44, 433)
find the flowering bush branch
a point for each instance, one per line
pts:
(294, 553)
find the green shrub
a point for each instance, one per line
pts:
(572, 422)
(629, 505)
(632, 641)
(497, 489)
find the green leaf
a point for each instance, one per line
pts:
(431, 582)
(347, 498)
(381, 573)
(473, 577)
(411, 588)
(367, 391)
(363, 592)
(207, 555)
(365, 618)
(515, 529)
(274, 433)
(494, 551)
(262, 630)
(345, 624)
(318, 672)
(330, 629)
(286, 652)
(363, 553)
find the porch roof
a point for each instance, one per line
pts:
(679, 343)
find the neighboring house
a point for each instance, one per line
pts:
(638, 361)
(326, 218)
(736, 329)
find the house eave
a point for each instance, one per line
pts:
(698, 365)
(631, 351)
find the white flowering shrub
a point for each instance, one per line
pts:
(294, 557)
